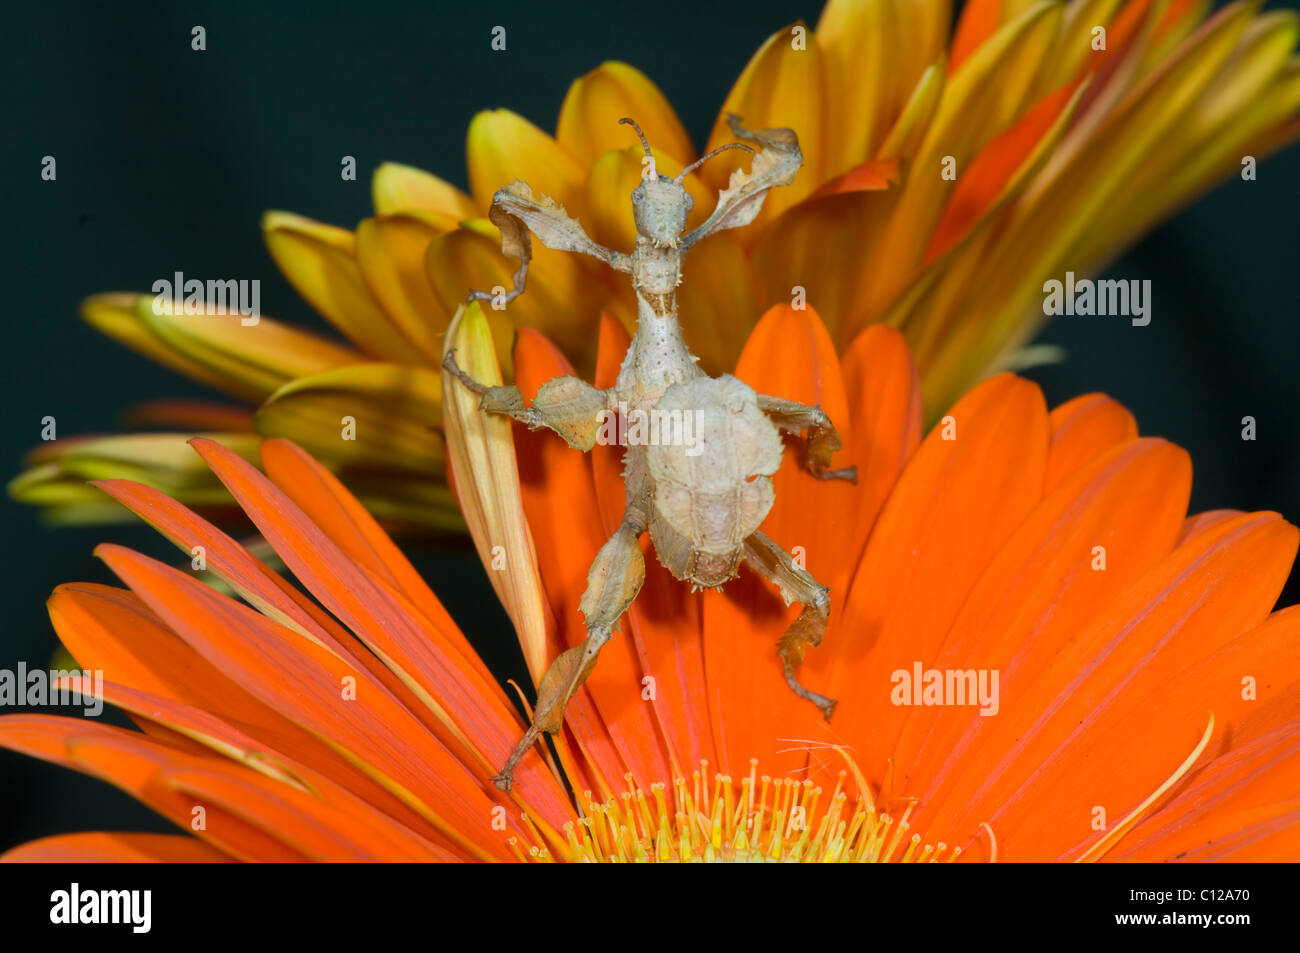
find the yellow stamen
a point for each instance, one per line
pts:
(760, 820)
(1112, 837)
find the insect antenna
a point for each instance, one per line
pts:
(705, 158)
(639, 134)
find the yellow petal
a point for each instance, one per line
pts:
(782, 86)
(116, 314)
(403, 188)
(502, 147)
(379, 415)
(481, 453)
(907, 133)
(589, 119)
(162, 460)
(717, 302)
(390, 253)
(249, 360)
(64, 500)
(1253, 94)
(922, 29)
(563, 297)
(1071, 195)
(821, 246)
(320, 262)
(982, 97)
(875, 52)
(1074, 41)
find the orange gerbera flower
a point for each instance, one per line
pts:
(1148, 703)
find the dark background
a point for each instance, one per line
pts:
(168, 157)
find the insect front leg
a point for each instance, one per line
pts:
(569, 406)
(823, 440)
(516, 213)
(613, 582)
(773, 563)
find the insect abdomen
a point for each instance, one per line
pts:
(712, 490)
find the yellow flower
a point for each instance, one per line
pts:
(944, 181)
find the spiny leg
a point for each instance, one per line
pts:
(569, 406)
(612, 583)
(773, 563)
(517, 213)
(517, 281)
(823, 440)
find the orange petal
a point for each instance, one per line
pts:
(556, 488)
(554, 480)
(323, 693)
(371, 824)
(328, 504)
(1041, 590)
(195, 415)
(884, 399)
(875, 175)
(1186, 607)
(1082, 429)
(249, 577)
(980, 19)
(103, 847)
(951, 511)
(1195, 525)
(789, 355)
(474, 718)
(131, 762)
(1269, 654)
(1241, 806)
(1009, 157)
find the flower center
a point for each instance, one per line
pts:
(760, 820)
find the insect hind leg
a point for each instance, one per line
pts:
(774, 564)
(612, 584)
(823, 440)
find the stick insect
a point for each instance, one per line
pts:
(703, 508)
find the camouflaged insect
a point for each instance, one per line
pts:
(702, 503)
